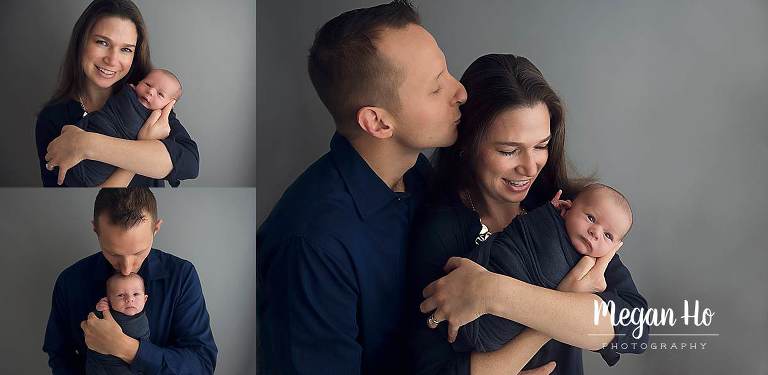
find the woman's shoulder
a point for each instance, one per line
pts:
(62, 110)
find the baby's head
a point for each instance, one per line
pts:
(598, 220)
(126, 293)
(157, 89)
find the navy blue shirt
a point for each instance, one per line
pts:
(180, 340)
(181, 148)
(331, 261)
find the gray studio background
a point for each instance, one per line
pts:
(666, 100)
(208, 44)
(45, 231)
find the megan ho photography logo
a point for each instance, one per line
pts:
(691, 315)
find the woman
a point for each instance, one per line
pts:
(109, 48)
(509, 157)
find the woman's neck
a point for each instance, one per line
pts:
(495, 215)
(94, 97)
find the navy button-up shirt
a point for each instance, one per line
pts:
(331, 267)
(180, 333)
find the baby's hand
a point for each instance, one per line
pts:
(103, 304)
(560, 205)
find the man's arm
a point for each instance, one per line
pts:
(62, 356)
(193, 350)
(309, 322)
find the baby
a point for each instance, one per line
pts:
(123, 116)
(597, 220)
(157, 89)
(541, 247)
(125, 300)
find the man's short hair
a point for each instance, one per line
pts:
(346, 69)
(126, 207)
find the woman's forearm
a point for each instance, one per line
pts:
(566, 317)
(511, 358)
(119, 178)
(148, 158)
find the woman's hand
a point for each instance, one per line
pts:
(458, 297)
(66, 151)
(157, 127)
(588, 276)
(103, 304)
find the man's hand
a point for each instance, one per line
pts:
(103, 304)
(106, 337)
(561, 205)
(459, 296)
(66, 151)
(157, 127)
(588, 276)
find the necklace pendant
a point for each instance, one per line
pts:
(484, 234)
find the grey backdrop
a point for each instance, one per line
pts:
(45, 231)
(208, 44)
(665, 100)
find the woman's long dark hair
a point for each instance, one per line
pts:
(71, 76)
(496, 83)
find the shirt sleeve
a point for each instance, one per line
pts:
(63, 358)
(183, 152)
(309, 322)
(623, 293)
(193, 350)
(442, 234)
(45, 132)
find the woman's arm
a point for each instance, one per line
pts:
(469, 291)
(120, 178)
(174, 157)
(511, 358)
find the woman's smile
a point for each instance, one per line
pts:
(517, 185)
(106, 73)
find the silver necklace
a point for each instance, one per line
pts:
(82, 105)
(484, 232)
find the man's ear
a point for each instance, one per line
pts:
(375, 121)
(146, 297)
(156, 229)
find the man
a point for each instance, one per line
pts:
(126, 222)
(331, 254)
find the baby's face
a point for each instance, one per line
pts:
(156, 90)
(127, 296)
(596, 224)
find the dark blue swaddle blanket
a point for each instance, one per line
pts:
(136, 326)
(122, 116)
(533, 248)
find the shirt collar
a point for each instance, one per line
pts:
(368, 191)
(152, 268)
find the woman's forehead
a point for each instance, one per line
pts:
(522, 125)
(120, 31)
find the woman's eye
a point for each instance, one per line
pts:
(127, 50)
(609, 236)
(508, 153)
(102, 42)
(542, 147)
(590, 218)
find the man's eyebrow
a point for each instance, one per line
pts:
(109, 39)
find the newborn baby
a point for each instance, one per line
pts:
(541, 247)
(125, 300)
(123, 116)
